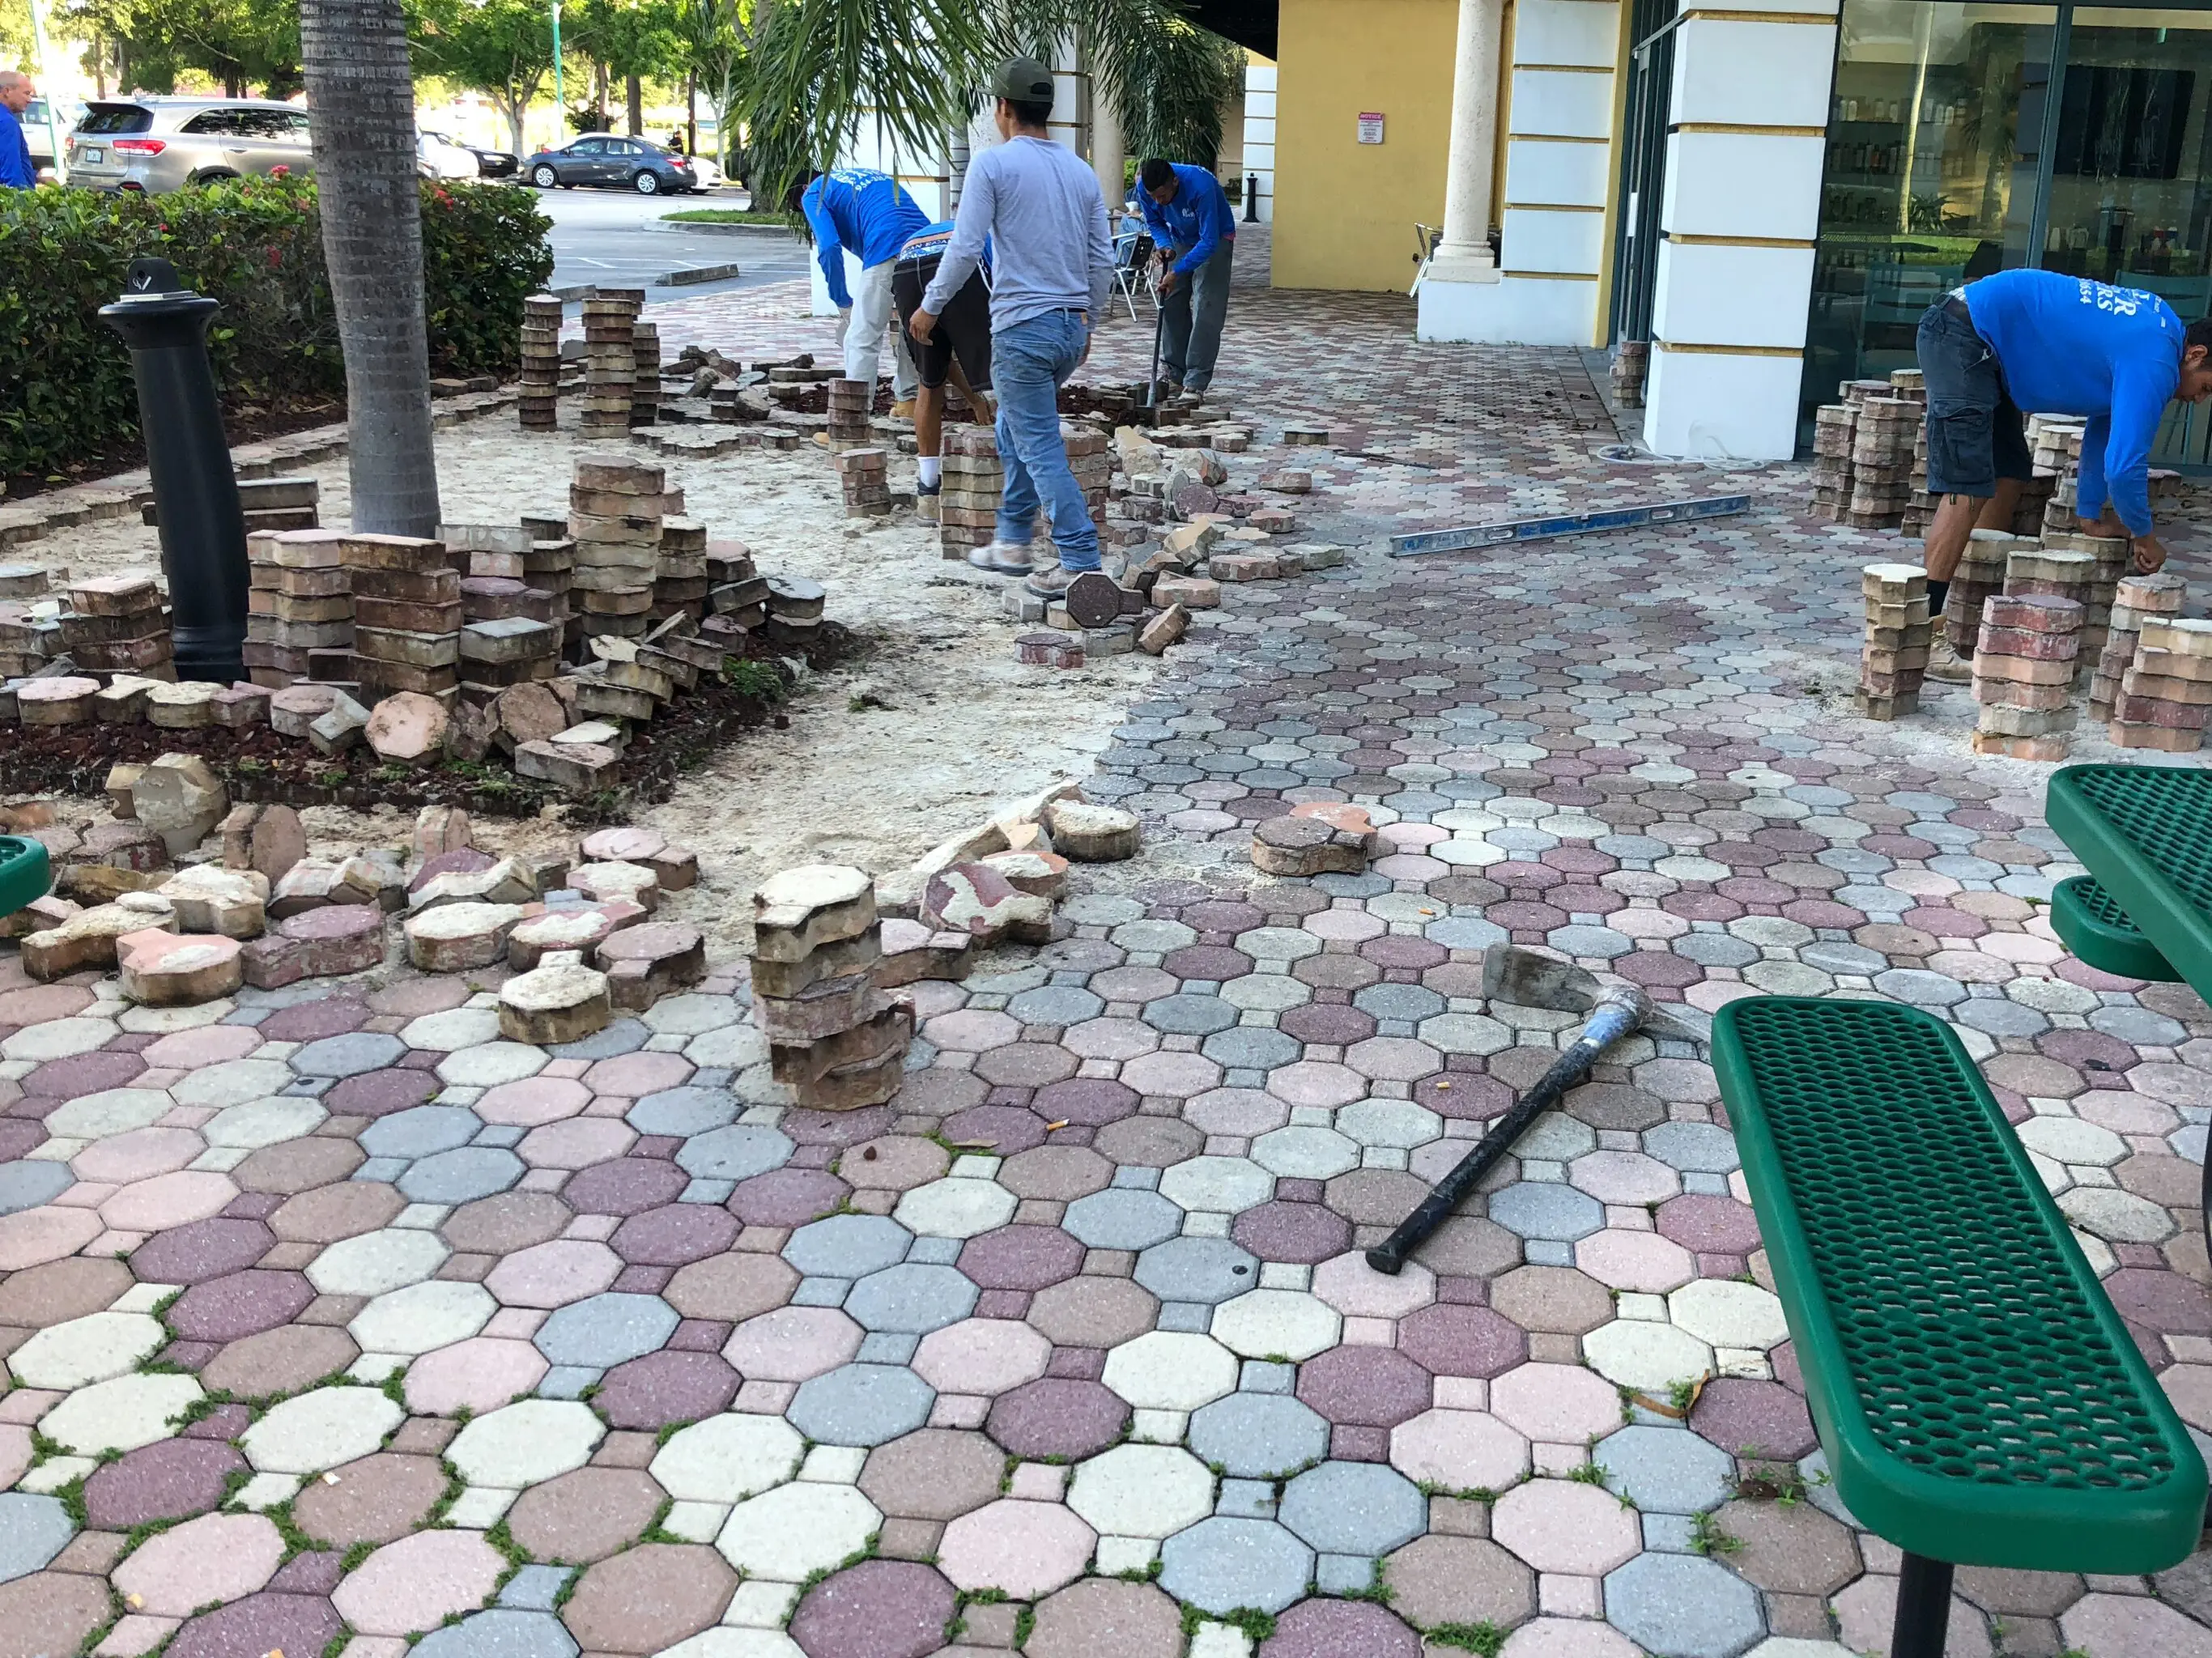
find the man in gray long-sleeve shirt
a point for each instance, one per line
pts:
(1052, 264)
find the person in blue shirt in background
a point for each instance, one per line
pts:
(17, 171)
(1195, 228)
(870, 214)
(2061, 345)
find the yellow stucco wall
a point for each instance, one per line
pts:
(1344, 211)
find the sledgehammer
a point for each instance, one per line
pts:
(1526, 980)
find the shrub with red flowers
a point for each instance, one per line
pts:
(256, 244)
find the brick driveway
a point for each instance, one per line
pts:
(331, 1317)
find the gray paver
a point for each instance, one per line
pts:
(1258, 1435)
(1195, 1269)
(462, 1176)
(1665, 1470)
(26, 1184)
(603, 1330)
(1354, 1508)
(1683, 1605)
(847, 1246)
(622, 1037)
(501, 1634)
(420, 1131)
(32, 1530)
(349, 1055)
(1190, 1015)
(683, 1112)
(861, 1405)
(911, 1297)
(535, 1588)
(1546, 1209)
(1056, 1005)
(737, 1152)
(1251, 1048)
(1222, 1564)
(1704, 1147)
(1121, 1218)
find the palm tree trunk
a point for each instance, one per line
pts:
(359, 86)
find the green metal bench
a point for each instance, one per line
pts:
(24, 876)
(1979, 1400)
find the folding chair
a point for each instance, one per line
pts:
(1131, 248)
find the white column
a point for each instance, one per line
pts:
(1108, 159)
(1465, 254)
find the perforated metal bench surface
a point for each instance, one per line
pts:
(2144, 832)
(24, 875)
(1979, 1400)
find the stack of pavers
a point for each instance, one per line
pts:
(737, 593)
(1894, 660)
(407, 615)
(300, 599)
(2165, 694)
(2024, 663)
(1910, 386)
(835, 1040)
(116, 624)
(1881, 463)
(2057, 574)
(851, 404)
(1979, 577)
(645, 384)
(541, 362)
(28, 633)
(616, 507)
(550, 564)
(286, 503)
(967, 508)
(1091, 457)
(2108, 563)
(2138, 600)
(2058, 440)
(1833, 424)
(511, 631)
(867, 483)
(609, 363)
(681, 582)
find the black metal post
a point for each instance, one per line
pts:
(1251, 199)
(1924, 1608)
(195, 491)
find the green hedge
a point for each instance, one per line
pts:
(65, 388)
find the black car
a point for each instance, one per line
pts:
(601, 158)
(496, 163)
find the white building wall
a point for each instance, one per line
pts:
(1558, 168)
(1742, 182)
(1260, 133)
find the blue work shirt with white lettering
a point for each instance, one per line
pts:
(1196, 220)
(2070, 346)
(858, 208)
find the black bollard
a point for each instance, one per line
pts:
(195, 491)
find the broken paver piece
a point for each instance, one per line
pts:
(578, 767)
(187, 705)
(821, 1009)
(645, 962)
(87, 939)
(161, 968)
(854, 1087)
(339, 729)
(1164, 630)
(1042, 873)
(1292, 846)
(582, 929)
(632, 881)
(912, 951)
(441, 829)
(885, 1028)
(324, 943)
(268, 839)
(407, 728)
(798, 910)
(837, 959)
(454, 937)
(122, 778)
(559, 1000)
(37, 916)
(527, 714)
(1092, 833)
(506, 882)
(976, 899)
(1188, 593)
(180, 799)
(293, 709)
(208, 898)
(623, 845)
(62, 700)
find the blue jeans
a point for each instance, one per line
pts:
(1029, 361)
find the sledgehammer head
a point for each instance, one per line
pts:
(1511, 974)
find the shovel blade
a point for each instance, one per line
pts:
(1511, 974)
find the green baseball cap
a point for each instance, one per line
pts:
(1022, 81)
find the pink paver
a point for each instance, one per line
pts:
(554, 1274)
(1176, 1076)
(533, 1101)
(1559, 1402)
(210, 1044)
(217, 1557)
(1462, 1450)
(981, 1356)
(416, 1582)
(632, 1075)
(1393, 1059)
(1563, 1637)
(1624, 1177)
(1410, 866)
(166, 1200)
(1636, 1261)
(1316, 1082)
(478, 1375)
(577, 1144)
(2189, 1387)
(792, 1343)
(1353, 924)
(32, 1237)
(1110, 1038)
(1357, 1290)
(2130, 1626)
(1027, 1549)
(1563, 1526)
(14, 1452)
(139, 1155)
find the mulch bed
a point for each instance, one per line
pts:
(257, 764)
(256, 426)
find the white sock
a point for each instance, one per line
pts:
(933, 468)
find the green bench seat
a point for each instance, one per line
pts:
(24, 876)
(2144, 832)
(1979, 1400)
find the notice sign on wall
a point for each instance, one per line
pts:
(1370, 126)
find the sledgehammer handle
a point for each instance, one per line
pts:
(1612, 1018)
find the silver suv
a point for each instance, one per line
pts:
(159, 145)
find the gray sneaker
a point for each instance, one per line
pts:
(1002, 558)
(1049, 582)
(1946, 663)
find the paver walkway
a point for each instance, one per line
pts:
(331, 1317)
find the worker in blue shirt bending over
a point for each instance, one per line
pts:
(870, 214)
(2056, 344)
(1195, 229)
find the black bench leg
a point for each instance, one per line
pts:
(1924, 1608)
